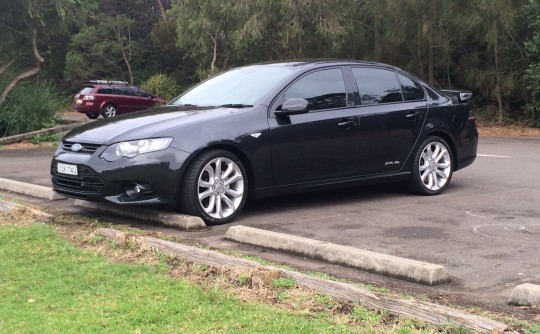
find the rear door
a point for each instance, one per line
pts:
(321, 144)
(392, 109)
(126, 100)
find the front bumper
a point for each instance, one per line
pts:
(99, 180)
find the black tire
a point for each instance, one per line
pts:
(108, 110)
(92, 115)
(432, 167)
(223, 196)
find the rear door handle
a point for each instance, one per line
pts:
(413, 115)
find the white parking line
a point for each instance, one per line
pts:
(493, 156)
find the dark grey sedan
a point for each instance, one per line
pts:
(270, 129)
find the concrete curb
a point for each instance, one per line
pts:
(183, 222)
(410, 270)
(525, 295)
(29, 189)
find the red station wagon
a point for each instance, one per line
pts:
(110, 98)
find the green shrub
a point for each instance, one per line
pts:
(29, 107)
(162, 85)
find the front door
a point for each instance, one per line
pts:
(322, 144)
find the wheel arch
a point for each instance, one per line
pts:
(104, 103)
(230, 148)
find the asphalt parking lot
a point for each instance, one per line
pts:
(485, 228)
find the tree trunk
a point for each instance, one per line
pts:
(497, 74)
(5, 67)
(431, 73)
(27, 74)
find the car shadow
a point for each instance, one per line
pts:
(326, 198)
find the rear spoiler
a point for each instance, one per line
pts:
(459, 95)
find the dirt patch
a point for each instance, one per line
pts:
(494, 131)
(25, 145)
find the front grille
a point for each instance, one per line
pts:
(85, 147)
(85, 183)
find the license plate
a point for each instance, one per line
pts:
(67, 169)
(78, 101)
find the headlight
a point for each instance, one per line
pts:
(130, 149)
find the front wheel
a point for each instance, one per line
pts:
(215, 187)
(108, 110)
(432, 167)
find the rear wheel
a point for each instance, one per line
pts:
(215, 187)
(108, 110)
(432, 167)
(92, 115)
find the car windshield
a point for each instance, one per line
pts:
(241, 86)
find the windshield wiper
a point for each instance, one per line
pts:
(236, 105)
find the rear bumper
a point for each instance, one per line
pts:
(468, 145)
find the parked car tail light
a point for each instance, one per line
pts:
(88, 98)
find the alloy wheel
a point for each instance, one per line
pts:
(435, 166)
(220, 188)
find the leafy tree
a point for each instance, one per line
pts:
(26, 26)
(532, 47)
(104, 49)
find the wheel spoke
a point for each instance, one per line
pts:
(442, 174)
(205, 194)
(435, 180)
(423, 175)
(227, 172)
(227, 201)
(234, 193)
(443, 165)
(435, 152)
(235, 178)
(219, 207)
(208, 169)
(217, 171)
(429, 185)
(210, 208)
(440, 155)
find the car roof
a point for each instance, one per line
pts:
(322, 62)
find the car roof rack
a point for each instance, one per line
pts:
(109, 82)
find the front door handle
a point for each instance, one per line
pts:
(346, 123)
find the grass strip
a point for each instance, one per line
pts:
(48, 285)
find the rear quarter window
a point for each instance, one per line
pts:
(412, 91)
(87, 90)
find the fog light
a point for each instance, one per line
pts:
(133, 190)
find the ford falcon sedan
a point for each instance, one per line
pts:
(271, 129)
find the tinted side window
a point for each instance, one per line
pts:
(412, 91)
(107, 91)
(123, 91)
(376, 86)
(322, 89)
(135, 92)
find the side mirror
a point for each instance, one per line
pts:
(293, 106)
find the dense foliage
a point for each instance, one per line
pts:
(487, 46)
